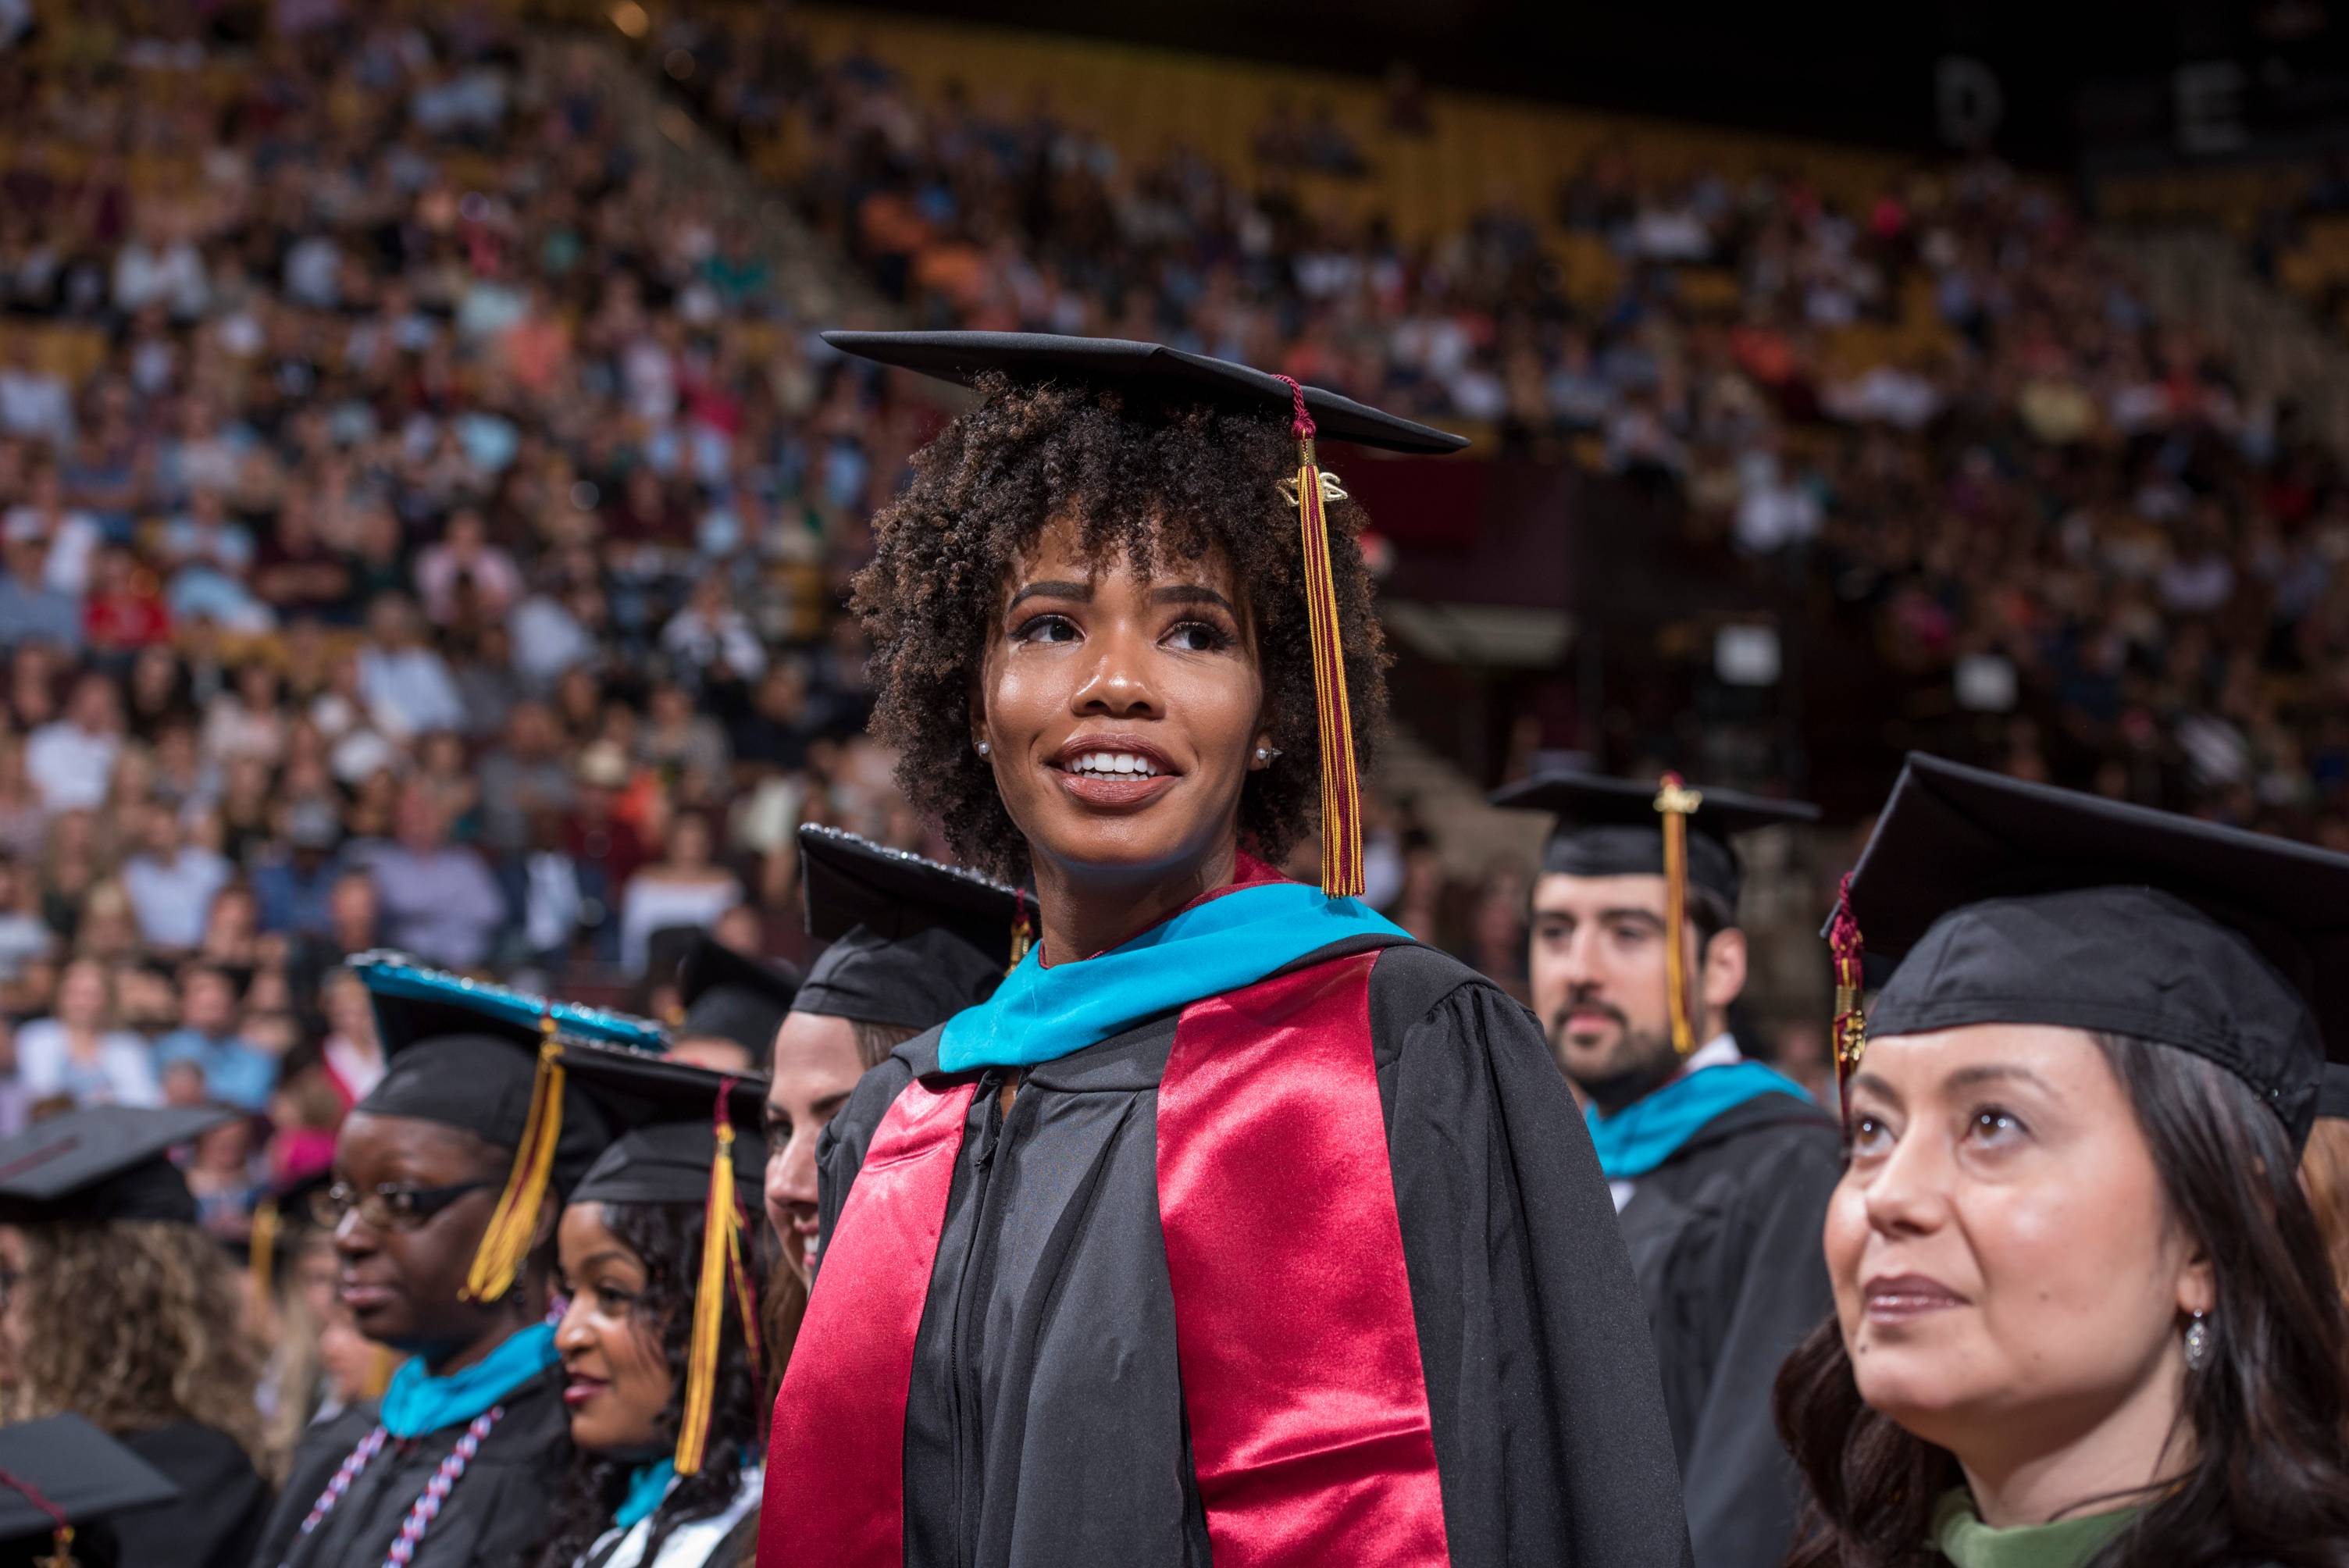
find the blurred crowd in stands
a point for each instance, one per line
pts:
(2087, 552)
(424, 526)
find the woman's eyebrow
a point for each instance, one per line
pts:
(1081, 591)
(1192, 594)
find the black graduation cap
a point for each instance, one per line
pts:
(913, 942)
(60, 1474)
(101, 1162)
(487, 1058)
(1149, 370)
(1615, 827)
(689, 1135)
(665, 1117)
(2007, 901)
(733, 997)
(1150, 375)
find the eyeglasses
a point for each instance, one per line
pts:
(389, 1207)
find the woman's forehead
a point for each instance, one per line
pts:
(1168, 552)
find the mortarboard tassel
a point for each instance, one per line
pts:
(1851, 1039)
(1023, 932)
(261, 1247)
(506, 1243)
(1341, 791)
(721, 1266)
(61, 1530)
(1676, 802)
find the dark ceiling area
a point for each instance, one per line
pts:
(2070, 81)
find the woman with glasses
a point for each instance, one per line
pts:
(448, 1178)
(115, 1306)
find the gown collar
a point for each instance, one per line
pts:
(415, 1402)
(1968, 1542)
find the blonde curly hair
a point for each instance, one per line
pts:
(132, 1325)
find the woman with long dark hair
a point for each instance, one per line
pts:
(664, 1382)
(1233, 1224)
(2083, 1312)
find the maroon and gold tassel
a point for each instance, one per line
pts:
(1341, 789)
(1850, 1037)
(1023, 930)
(1676, 802)
(506, 1241)
(61, 1530)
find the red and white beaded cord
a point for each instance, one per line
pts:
(427, 1508)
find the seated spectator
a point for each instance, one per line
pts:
(524, 774)
(71, 759)
(24, 937)
(16, 1103)
(709, 637)
(406, 685)
(79, 1054)
(31, 611)
(73, 535)
(686, 887)
(125, 611)
(295, 572)
(440, 901)
(232, 936)
(464, 556)
(207, 559)
(352, 1053)
(781, 723)
(171, 882)
(236, 1072)
(681, 743)
(294, 887)
(248, 720)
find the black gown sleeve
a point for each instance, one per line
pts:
(1549, 1424)
(1742, 1485)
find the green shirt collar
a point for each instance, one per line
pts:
(1968, 1542)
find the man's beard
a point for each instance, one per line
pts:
(1639, 1066)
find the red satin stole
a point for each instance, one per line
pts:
(1309, 1428)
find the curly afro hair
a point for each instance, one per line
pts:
(1158, 484)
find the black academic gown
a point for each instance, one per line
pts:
(494, 1518)
(1725, 1240)
(215, 1520)
(1045, 1427)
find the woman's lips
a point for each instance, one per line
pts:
(579, 1390)
(1903, 1299)
(358, 1297)
(1131, 789)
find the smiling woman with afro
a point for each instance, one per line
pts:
(1233, 1223)
(1154, 485)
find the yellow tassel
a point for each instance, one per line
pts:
(261, 1248)
(61, 1555)
(1675, 801)
(506, 1243)
(719, 1248)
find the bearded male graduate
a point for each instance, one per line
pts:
(1720, 1166)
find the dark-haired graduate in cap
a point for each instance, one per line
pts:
(2083, 1315)
(1233, 1227)
(1720, 1166)
(662, 1257)
(120, 1309)
(449, 1176)
(908, 945)
(733, 1002)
